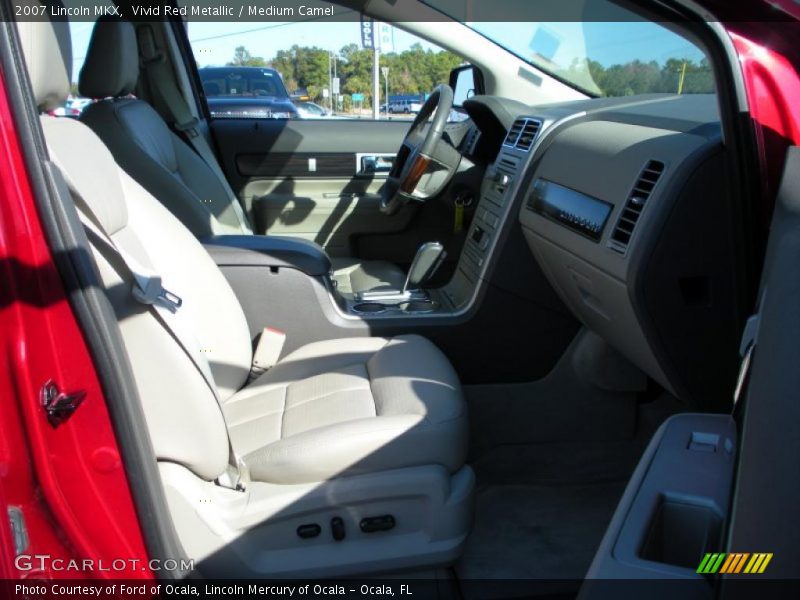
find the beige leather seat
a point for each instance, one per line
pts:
(166, 166)
(336, 434)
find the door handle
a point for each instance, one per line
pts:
(351, 195)
(372, 165)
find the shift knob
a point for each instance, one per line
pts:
(428, 258)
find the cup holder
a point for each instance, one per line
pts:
(369, 308)
(409, 307)
(418, 306)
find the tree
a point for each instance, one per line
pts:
(416, 71)
(243, 58)
(637, 77)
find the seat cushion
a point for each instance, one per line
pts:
(352, 276)
(351, 406)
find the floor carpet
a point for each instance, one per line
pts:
(534, 532)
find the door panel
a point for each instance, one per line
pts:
(304, 178)
(335, 213)
(767, 493)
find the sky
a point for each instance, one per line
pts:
(608, 43)
(214, 43)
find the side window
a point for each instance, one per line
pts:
(315, 69)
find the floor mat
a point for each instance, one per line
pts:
(537, 532)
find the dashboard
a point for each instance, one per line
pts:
(624, 203)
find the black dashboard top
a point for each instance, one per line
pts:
(692, 113)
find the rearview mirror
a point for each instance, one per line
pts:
(466, 81)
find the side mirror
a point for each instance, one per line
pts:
(466, 81)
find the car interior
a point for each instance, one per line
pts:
(334, 380)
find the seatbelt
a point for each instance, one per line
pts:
(170, 101)
(165, 306)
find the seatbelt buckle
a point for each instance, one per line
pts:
(152, 291)
(269, 348)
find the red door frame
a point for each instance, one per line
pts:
(68, 481)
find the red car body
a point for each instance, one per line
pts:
(69, 481)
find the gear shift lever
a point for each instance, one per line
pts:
(427, 260)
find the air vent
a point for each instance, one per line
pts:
(513, 133)
(529, 131)
(642, 189)
(522, 134)
(472, 141)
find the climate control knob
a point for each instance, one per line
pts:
(500, 178)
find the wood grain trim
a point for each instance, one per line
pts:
(286, 164)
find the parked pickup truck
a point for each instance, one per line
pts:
(246, 92)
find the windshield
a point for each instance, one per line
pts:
(599, 57)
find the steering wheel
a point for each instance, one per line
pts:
(425, 162)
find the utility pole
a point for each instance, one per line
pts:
(336, 79)
(376, 81)
(682, 78)
(330, 82)
(385, 71)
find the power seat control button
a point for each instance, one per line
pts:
(308, 531)
(337, 529)
(373, 524)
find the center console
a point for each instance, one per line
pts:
(498, 190)
(265, 270)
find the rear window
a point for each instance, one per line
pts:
(244, 82)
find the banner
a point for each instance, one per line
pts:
(367, 32)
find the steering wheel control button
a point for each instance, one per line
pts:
(308, 531)
(337, 529)
(374, 524)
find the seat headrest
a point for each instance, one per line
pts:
(47, 49)
(112, 60)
